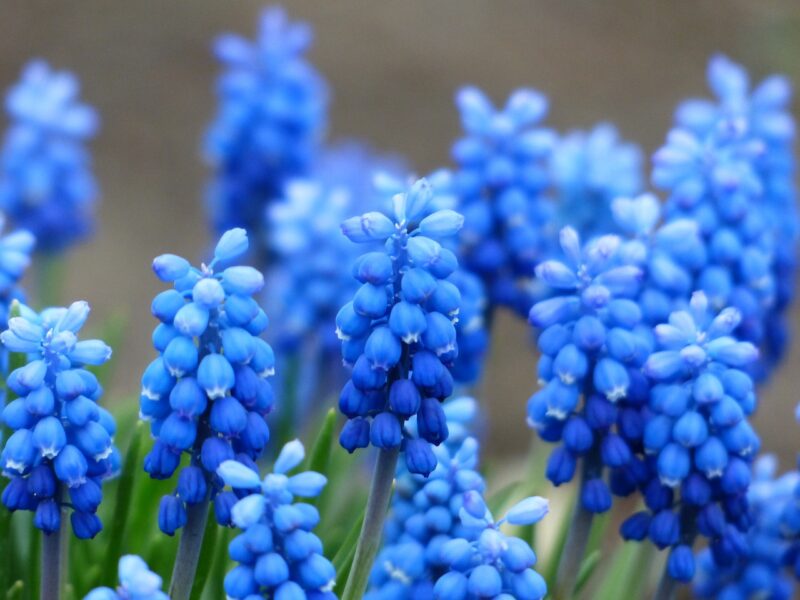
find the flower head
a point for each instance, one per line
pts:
(398, 333)
(278, 553)
(136, 582)
(270, 120)
(207, 393)
(61, 448)
(46, 183)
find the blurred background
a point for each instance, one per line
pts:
(393, 67)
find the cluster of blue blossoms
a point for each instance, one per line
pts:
(432, 529)
(271, 118)
(136, 582)
(398, 332)
(500, 182)
(207, 393)
(61, 447)
(279, 556)
(46, 182)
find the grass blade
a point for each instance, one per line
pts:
(320, 457)
(207, 555)
(588, 567)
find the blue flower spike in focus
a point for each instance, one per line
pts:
(136, 582)
(399, 335)
(46, 181)
(279, 556)
(61, 447)
(699, 437)
(270, 121)
(493, 564)
(207, 393)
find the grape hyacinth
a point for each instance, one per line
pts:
(590, 169)
(775, 522)
(592, 346)
(424, 512)
(15, 258)
(279, 556)
(207, 393)
(136, 582)
(269, 124)
(500, 182)
(46, 181)
(493, 564)
(730, 167)
(61, 448)
(698, 436)
(398, 332)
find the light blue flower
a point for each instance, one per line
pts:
(136, 582)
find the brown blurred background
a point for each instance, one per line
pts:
(393, 67)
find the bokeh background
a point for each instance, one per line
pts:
(393, 67)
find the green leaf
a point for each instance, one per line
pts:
(551, 572)
(5, 545)
(15, 591)
(215, 587)
(599, 527)
(206, 559)
(34, 560)
(320, 457)
(119, 521)
(588, 567)
(346, 551)
(626, 574)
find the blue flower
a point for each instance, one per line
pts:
(270, 120)
(279, 556)
(136, 582)
(697, 436)
(207, 393)
(774, 525)
(15, 257)
(425, 512)
(592, 346)
(501, 177)
(61, 448)
(729, 165)
(46, 182)
(493, 564)
(590, 169)
(398, 333)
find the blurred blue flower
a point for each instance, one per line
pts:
(207, 393)
(500, 183)
(46, 182)
(590, 169)
(279, 556)
(760, 572)
(398, 332)
(61, 448)
(136, 582)
(269, 124)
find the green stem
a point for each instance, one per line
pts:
(666, 587)
(53, 562)
(180, 588)
(574, 549)
(372, 529)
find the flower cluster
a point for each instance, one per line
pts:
(279, 556)
(61, 447)
(493, 564)
(425, 512)
(729, 166)
(500, 182)
(46, 183)
(472, 337)
(207, 393)
(589, 170)
(760, 572)
(136, 582)
(271, 117)
(398, 332)
(698, 436)
(592, 345)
